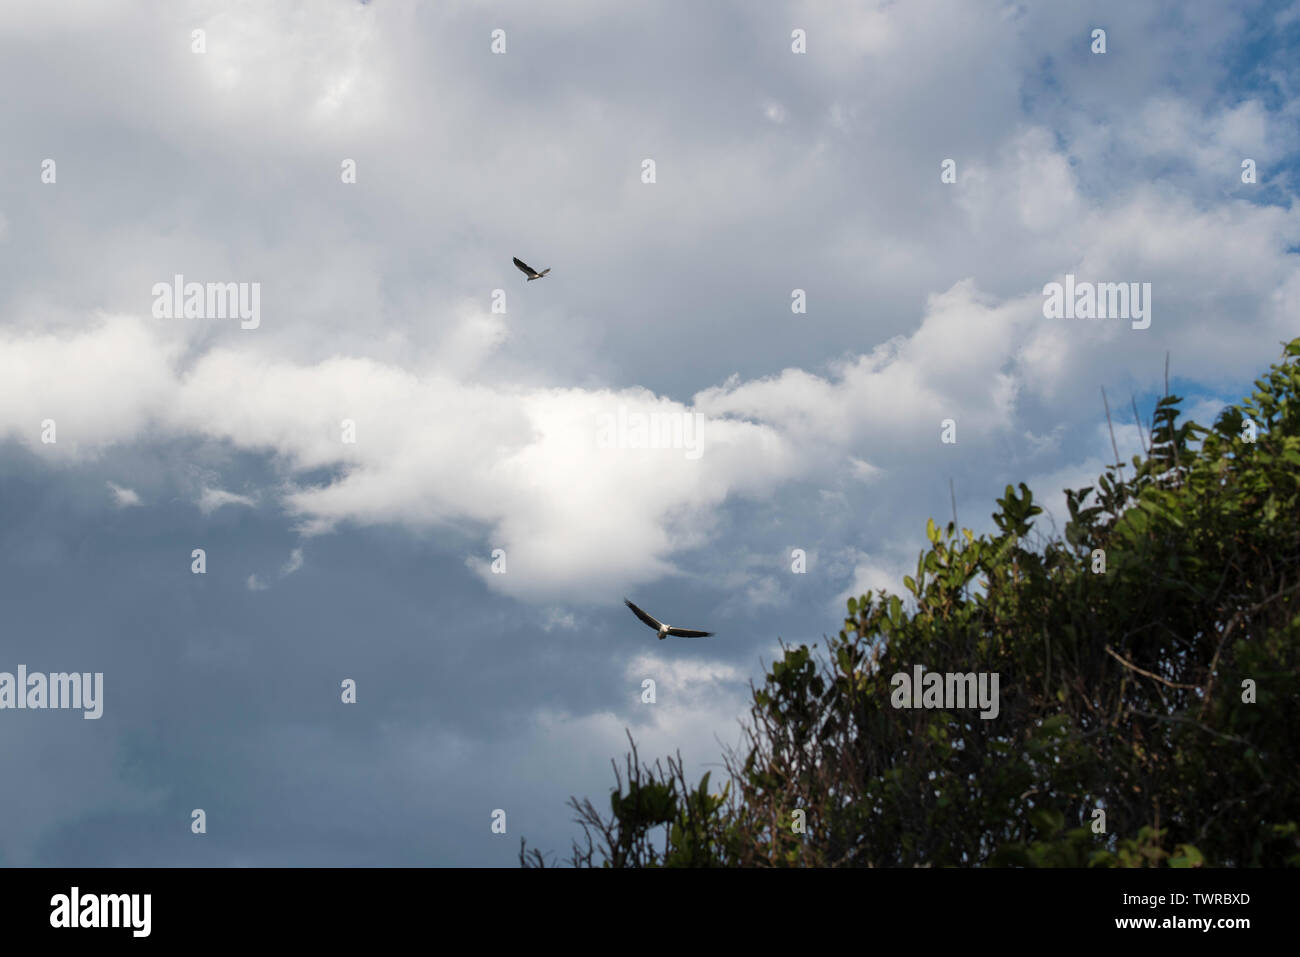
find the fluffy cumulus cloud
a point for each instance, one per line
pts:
(652, 417)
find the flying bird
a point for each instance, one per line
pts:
(665, 630)
(529, 271)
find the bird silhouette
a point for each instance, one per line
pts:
(666, 630)
(529, 271)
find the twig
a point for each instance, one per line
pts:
(1232, 623)
(1173, 428)
(1137, 420)
(1110, 426)
(1164, 681)
(1196, 724)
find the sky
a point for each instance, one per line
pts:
(414, 472)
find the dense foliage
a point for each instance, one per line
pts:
(1148, 669)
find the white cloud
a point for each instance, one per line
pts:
(100, 387)
(293, 564)
(874, 573)
(558, 618)
(864, 471)
(214, 498)
(124, 497)
(683, 676)
(523, 462)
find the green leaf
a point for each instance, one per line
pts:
(1185, 855)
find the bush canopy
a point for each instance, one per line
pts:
(1148, 688)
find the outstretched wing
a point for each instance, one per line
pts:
(642, 615)
(527, 269)
(688, 633)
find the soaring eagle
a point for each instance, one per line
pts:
(529, 271)
(665, 630)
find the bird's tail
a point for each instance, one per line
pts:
(544, 271)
